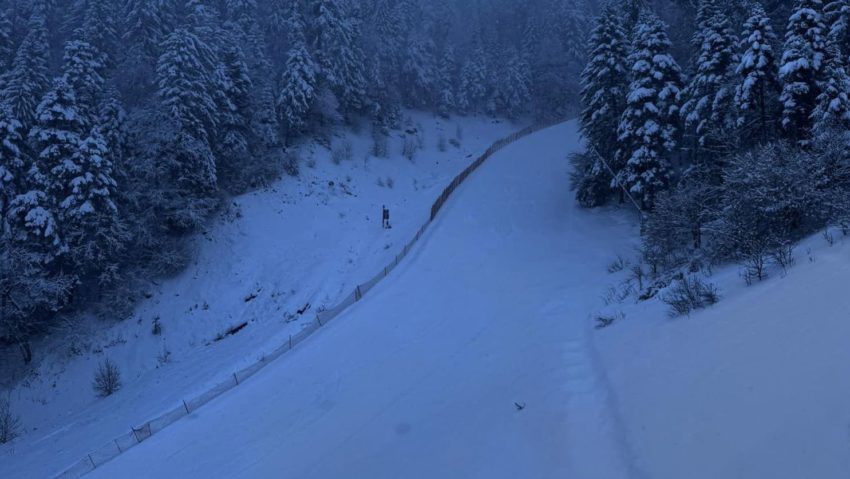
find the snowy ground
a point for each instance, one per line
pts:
(421, 378)
(495, 308)
(298, 242)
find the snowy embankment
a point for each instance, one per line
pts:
(302, 243)
(472, 359)
(757, 386)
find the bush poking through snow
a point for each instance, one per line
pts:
(10, 424)
(410, 147)
(156, 330)
(107, 378)
(617, 265)
(342, 152)
(690, 293)
(441, 144)
(605, 320)
(380, 142)
(291, 164)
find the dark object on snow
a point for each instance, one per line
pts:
(231, 331)
(385, 217)
(519, 407)
(304, 309)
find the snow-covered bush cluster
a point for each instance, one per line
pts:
(734, 155)
(124, 123)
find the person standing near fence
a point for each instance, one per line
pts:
(385, 217)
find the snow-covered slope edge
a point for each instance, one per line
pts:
(300, 241)
(754, 386)
(121, 444)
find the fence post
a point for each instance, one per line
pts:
(186, 407)
(92, 462)
(118, 446)
(290, 342)
(319, 320)
(357, 294)
(235, 379)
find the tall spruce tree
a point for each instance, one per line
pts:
(27, 79)
(707, 108)
(801, 69)
(605, 82)
(758, 84)
(647, 129)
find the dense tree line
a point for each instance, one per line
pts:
(123, 123)
(738, 152)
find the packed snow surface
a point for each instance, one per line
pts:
(477, 357)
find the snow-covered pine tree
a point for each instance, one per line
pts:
(473, 90)
(83, 69)
(184, 92)
(446, 79)
(801, 69)
(605, 82)
(419, 71)
(298, 82)
(833, 103)
(334, 44)
(837, 20)
(7, 45)
(513, 93)
(87, 208)
(647, 129)
(99, 27)
(26, 81)
(13, 164)
(758, 83)
(707, 101)
(145, 27)
(55, 137)
(234, 140)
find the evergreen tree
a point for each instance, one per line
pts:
(184, 92)
(833, 105)
(234, 134)
(446, 78)
(27, 80)
(83, 69)
(801, 69)
(647, 129)
(418, 72)
(298, 89)
(513, 88)
(758, 84)
(13, 164)
(605, 81)
(707, 108)
(337, 54)
(7, 45)
(473, 83)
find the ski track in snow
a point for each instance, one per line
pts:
(420, 378)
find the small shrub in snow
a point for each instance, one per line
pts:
(342, 152)
(605, 320)
(10, 424)
(455, 143)
(380, 142)
(637, 274)
(441, 144)
(107, 378)
(690, 293)
(410, 147)
(156, 330)
(783, 256)
(164, 357)
(617, 265)
(291, 164)
(755, 265)
(830, 239)
(390, 183)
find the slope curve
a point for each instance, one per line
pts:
(426, 376)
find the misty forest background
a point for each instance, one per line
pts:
(125, 124)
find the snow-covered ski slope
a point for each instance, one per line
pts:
(423, 377)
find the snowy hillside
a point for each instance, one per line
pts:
(302, 242)
(478, 358)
